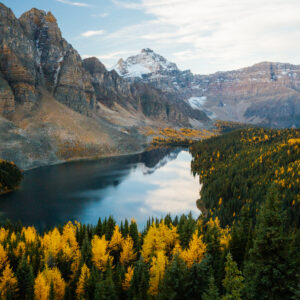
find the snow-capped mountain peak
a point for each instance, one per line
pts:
(144, 63)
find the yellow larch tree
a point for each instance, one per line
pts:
(100, 255)
(128, 277)
(29, 234)
(195, 251)
(70, 246)
(161, 238)
(84, 276)
(41, 288)
(20, 249)
(116, 241)
(13, 237)
(169, 236)
(3, 257)
(53, 276)
(8, 282)
(152, 243)
(177, 249)
(3, 234)
(157, 271)
(51, 243)
(224, 232)
(127, 255)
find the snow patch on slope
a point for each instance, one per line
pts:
(136, 71)
(197, 102)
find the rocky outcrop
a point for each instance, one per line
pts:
(7, 99)
(59, 64)
(109, 86)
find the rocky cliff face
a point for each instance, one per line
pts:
(17, 63)
(266, 93)
(59, 65)
(110, 88)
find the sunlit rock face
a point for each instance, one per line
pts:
(266, 93)
(17, 62)
(59, 64)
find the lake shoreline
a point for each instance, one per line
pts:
(87, 158)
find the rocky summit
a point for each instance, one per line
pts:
(267, 93)
(54, 106)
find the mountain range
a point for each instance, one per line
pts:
(267, 93)
(55, 106)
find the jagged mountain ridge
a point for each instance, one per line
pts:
(267, 93)
(42, 77)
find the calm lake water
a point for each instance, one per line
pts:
(150, 184)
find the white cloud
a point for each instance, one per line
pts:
(110, 59)
(129, 5)
(101, 15)
(218, 34)
(79, 4)
(91, 33)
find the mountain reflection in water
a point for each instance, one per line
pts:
(140, 186)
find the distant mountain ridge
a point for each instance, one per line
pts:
(267, 93)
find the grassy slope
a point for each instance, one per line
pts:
(54, 133)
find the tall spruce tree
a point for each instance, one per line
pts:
(25, 280)
(105, 289)
(269, 271)
(212, 292)
(175, 283)
(233, 281)
(140, 281)
(198, 278)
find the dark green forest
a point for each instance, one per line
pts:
(245, 244)
(10, 176)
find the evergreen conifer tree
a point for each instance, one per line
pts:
(25, 278)
(175, 285)
(212, 292)
(233, 281)
(269, 271)
(140, 281)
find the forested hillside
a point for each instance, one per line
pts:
(238, 170)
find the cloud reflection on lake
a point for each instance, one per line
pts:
(169, 189)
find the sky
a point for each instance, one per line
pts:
(204, 36)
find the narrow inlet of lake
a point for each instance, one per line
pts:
(150, 184)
